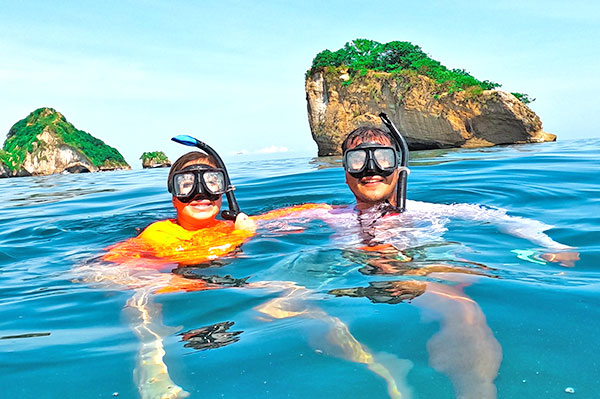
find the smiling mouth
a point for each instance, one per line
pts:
(201, 204)
(371, 180)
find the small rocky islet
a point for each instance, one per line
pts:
(45, 143)
(155, 159)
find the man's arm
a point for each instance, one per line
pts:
(517, 226)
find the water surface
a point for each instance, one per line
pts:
(477, 211)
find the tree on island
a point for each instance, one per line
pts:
(402, 58)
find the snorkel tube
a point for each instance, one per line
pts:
(402, 147)
(234, 208)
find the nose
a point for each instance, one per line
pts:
(371, 165)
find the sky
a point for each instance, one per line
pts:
(135, 73)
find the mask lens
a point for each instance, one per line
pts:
(183, 184)
(214, 181)
(385, 158)
(355, 160)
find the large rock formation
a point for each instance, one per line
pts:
(426, 118)
(45, 143)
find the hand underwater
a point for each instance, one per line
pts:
(243, 222)
(566, 259)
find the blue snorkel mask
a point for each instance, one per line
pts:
(211, 182)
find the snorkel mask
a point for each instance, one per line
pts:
(369, 159)
(203, 180)
(197, 182)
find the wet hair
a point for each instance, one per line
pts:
(197, 156)
(364, 134)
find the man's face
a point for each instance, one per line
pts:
(372, 190)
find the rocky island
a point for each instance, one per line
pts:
(433, 106)
(155, 159)
(45, 143)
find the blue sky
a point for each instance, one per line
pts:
(135, 73)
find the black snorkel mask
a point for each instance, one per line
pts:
(203, 181)
(370, 159)
(198, 182)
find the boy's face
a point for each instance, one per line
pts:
(371, 190)
(196, 212)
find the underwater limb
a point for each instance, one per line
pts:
(151, 373)
(392, 369)
(287, 305)
(389, 367)
(465, 348)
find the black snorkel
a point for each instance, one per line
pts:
(234, 208)
(402, 147)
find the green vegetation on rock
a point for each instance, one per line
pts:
(362, 55)
(23, 135)
(5, 158)
(154, 157)
(524, 98)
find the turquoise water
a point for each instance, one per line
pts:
(488, 298)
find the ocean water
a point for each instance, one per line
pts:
(468, 306)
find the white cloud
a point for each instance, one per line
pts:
(272, 150)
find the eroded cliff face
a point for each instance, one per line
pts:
(152, 164)
(49, 155)
(427, 120)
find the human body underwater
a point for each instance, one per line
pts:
(381, 232)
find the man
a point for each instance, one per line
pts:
(371, 165)
(371, 161)
(465, 348)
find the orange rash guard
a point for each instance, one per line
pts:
(165, 242)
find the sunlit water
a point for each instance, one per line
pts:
(63, 335)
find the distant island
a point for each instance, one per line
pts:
(155, 159)
(433, 106)
(45, 143)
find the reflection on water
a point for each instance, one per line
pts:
(327, 162)
(390, 292)
(210, 337)
(54, 196)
